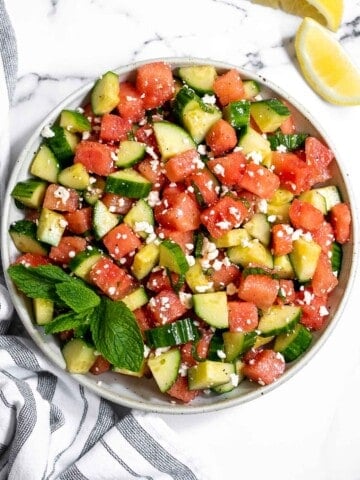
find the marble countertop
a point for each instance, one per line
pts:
(308, 427)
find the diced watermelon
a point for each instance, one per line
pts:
(281, 239)
(229, 169)
(243, 316)
(181, 213)
(259, 180)
(180, 390)
(223, 216)
(80, 221)
(142, 319)
(155, 83)
(318, 157)
(151, 169)
(259, 289)
(121, 241)
(96, 157)
(116, 203)
(224, 275)
(324, 280)
(314, 309)
(68, 247)
(61, 198)
(340, 219)
(263, 366)
(114, 128)
(177, 168)
(160, 280)
(286, 293)
(101, 365)
(221, 137)
(183, 239)
(229, 87)
(305, 216)
(324, 236)
(112, 280)
(293, 172)
(131, 105)
(32, 260)
(204, 185)
(166, 307)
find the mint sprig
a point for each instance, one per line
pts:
(116, 335)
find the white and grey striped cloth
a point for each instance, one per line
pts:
(50, 426)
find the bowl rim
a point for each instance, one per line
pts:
(93, 384)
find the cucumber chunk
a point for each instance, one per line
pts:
(212, 308)
(315, 199)
(78, 355)
(236, 343)
(259, 227)
(331, 194)
(43, 310)
(172, 139)
(128, 183)
(74, 121)
(136, 299)
(176, 333)
(292, 345)
(304, 258)
(165, 368)
(45, 165)
(251, 89)
(196, 278)
(105, 94)
(30, 192)
(251, 141)
(237, 236)
(336, 257)
(24, 235)
(251, 253)
(103, 219)
(269, 114)
(209, 374)
(172, 257)
(199, 77)
(75, 176)
(83, 262)
(145, 259)
(51, 227)
(237, 113)
(283, 267)
(279, 319)
(130, 152)
(62, 144)
(140, 218)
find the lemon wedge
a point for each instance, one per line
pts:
(325, 65)
(327, 12)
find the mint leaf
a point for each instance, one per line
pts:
(68, 321)
(116, 335)
(291, 141)
(33, 285)
(51, 272)
(76, 295)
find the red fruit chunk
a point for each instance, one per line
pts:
(264, 366)
(243, 316)
(221, 137)
(155, 83)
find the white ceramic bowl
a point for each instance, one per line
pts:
(142, 393)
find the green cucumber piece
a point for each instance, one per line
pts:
(175, 333)
(212, 308)
(195, 116)
(336, 257)
(95, 190)
(279, 319)
(315, 199)
(209, 374)
(251, 141)
(62, 144)
(30, 192)
(128, 183)
(83, 262)
(269, 114)
(136, 299)
(197, 280)
(79, 356)
(283, 267)
(130, 152)
(171, 256)
(43, 310)
(24, 235)
(74, 121)
(331, 194)
(304, 258)
(75, 176)
(292, 345)
(237, 113)
(51, 227)
(251, 89)
(140, 218)
(199, 77)
(145, 259)
(259, 227)
(171, 139)
(103, 220)
(291, 141)
(236, 343)
(45, 165)
(237, 236)
(251, 253)
(165, 368)
(105, 93)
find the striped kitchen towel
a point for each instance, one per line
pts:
(50, 426)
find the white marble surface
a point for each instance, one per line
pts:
(308, 428)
